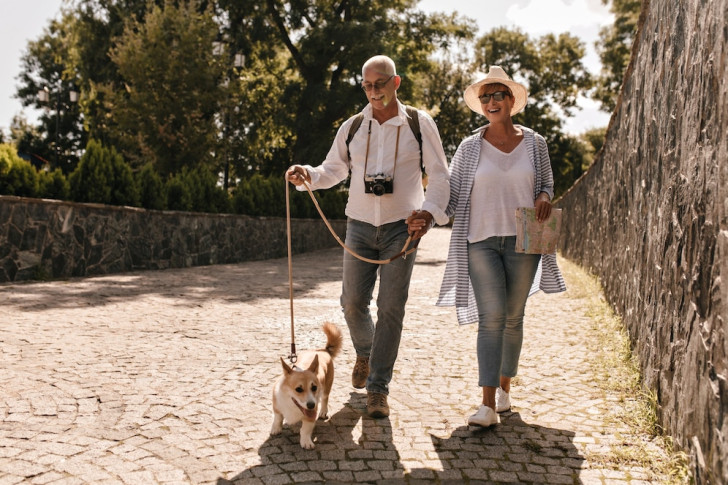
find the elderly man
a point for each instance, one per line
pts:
(386, 148)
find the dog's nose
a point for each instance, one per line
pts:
(310, 405)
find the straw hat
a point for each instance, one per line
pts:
(499, 76)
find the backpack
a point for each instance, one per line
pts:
(413, 120)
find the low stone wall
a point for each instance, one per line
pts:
(48, 239)
(649, 218)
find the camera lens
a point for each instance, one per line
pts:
(378, 189)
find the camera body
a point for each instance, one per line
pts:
(378, 184)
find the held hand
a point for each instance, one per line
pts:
(543, 207)
(296, 174)
(418, 223)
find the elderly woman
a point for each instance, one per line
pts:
(500, 168)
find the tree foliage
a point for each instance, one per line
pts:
(614, 48)
(164, 113)
(153, 88)
(46, 66)
(17, 177)
(103, 176)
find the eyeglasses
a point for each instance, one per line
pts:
(497, 96)
(378, 85)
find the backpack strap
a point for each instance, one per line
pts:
(352, 131)
(413, 119)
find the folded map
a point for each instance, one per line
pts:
(535, 237)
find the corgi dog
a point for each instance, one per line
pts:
(302, 392)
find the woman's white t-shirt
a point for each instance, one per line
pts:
(503, 182)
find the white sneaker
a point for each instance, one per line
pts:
(502, 400)
(484, 417)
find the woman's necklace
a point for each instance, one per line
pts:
(496, 141)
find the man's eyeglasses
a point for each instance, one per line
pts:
(379, 84)
(497, 96)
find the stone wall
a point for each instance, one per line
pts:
(48, 239)
(649, 218)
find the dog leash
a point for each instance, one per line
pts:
(402, 254)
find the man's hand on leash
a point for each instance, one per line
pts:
(296, 174)
(418, 223)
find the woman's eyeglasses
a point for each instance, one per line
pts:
(497, 96)
(378, 85)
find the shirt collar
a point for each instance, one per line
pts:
(400, 119)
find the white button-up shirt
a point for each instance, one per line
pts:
(408, 193)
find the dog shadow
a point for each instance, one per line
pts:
(346, 443)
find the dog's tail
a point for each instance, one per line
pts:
(333, 339)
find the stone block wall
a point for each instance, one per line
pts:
(48, 239)
(649, 218)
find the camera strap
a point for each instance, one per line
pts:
(396, 150)
(413, 119)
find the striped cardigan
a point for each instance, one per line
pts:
(456, 288)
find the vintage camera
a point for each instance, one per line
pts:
(378, 184)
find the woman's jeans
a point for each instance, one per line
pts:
(501, 280)
(380, 343)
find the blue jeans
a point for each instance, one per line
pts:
(501, 280)
(380, 343)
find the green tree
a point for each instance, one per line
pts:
(47, 68)
(104, 177)
(615, 48)
(440, 94)
(326, 44)
(17, 176)
(53, 185)
(151, 188)
(594, 138)
(178, 193)
(164, 113)
(96, 26)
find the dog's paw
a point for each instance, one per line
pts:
(307, 443)
(323, 416)
(275, 429)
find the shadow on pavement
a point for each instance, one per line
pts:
(233, 283)
(513, 452)
(341, 453)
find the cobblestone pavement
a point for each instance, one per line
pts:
(165, 377)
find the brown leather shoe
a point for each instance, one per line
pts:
(361, 372)
(377, 406)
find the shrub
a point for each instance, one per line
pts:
(242, 198)
(151, 188)
(204, 191)
(178, 194)
(17, 176)
(124, 190)
(103, 176)
(196, 190)
(260, 196)
(53, 185)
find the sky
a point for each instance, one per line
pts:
(24, 20)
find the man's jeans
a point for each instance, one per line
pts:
(501, 280)
(380, 344)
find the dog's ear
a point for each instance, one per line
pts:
(314, 365)
(286, 367)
